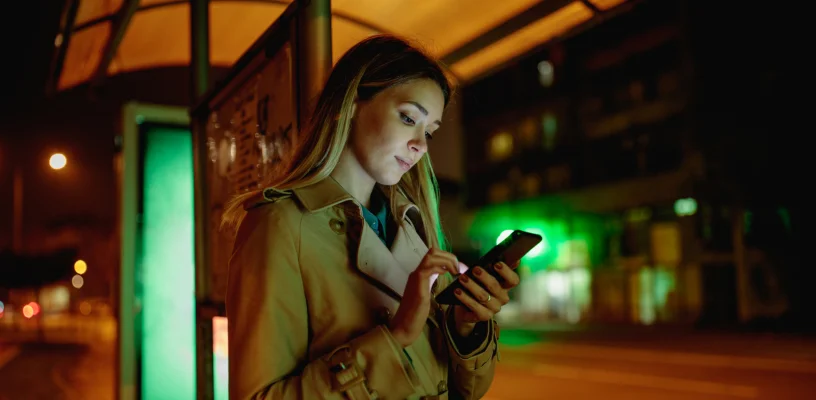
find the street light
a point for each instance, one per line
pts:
(56, 162)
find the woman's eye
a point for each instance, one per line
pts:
(405, 118)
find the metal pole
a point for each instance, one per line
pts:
(199, 47)
(200, 68)
(17, 210)
(199, 82)
(314, 54)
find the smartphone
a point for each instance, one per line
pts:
(510, 250)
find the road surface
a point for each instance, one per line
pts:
(603, 364)
(653, 366)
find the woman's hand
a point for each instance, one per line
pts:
(409, 320)
(483, 299)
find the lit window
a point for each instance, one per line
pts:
(685, 207)
(501, 146)
(531, 185)
(498, 192)
(528, 132)
(549, 127)
(546, 73)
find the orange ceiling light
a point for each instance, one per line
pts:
(523, 40)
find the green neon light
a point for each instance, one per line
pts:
(167, 267)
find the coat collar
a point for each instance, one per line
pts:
(328, 192)
(376, 261)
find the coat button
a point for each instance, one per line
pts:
(442, 387)
(339, 227)
(384, 315)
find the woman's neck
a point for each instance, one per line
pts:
(351, 176)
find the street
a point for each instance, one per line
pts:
(542, 363)
(72, 359)
(653, 365)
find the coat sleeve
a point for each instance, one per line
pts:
(268, 322)
(471, 373)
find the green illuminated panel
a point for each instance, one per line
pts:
(167, 268)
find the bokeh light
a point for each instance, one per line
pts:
(80, 267)
(77, 281)
(58, 161)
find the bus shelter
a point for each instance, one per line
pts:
(179, 165)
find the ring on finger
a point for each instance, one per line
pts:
(489, 297)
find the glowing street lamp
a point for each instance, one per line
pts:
(58, 161)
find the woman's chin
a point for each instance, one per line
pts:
(390, 179)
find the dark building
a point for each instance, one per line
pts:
(668, 120)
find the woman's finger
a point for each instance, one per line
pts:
(510, 278)
(492, 285)
(448, 263)
(479, 309)
(479, 293)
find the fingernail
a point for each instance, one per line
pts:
(478, 271)
(458, 291)
(463, 278)
(462, 267)
(498, 266)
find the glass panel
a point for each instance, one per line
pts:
(441, 25)
(230, 39)
(83, 55)
(155, 38)
(92, 9)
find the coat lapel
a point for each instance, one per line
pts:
(390, 267)
(387, 269)
(378, 263)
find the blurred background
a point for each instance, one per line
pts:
(659, 146)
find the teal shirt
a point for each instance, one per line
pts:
(377, 216)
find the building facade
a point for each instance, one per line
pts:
(604, 141)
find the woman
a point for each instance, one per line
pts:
(335, 264)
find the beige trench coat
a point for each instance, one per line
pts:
(307, 277)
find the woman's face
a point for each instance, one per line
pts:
(391, 131)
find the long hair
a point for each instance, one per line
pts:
(366, 69)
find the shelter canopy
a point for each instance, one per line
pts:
(100, 38)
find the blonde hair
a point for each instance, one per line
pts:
(366, 69)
